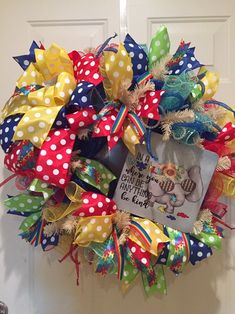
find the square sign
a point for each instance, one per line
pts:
(170, 190)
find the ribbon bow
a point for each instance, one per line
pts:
(145, 238)
(51, 82)
(124, 117)
(30, 207)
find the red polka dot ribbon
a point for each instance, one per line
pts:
(54, 158)
(22, 158)
(80, 119)
(94, 204)
(86, 68)
(140, 255)
(221, 146)
(227, 134)
(141, 259)
(104, 125)
(149, 104)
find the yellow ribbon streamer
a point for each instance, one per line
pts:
(130, 138)
(156, 234)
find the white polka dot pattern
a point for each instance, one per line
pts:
(53, 157)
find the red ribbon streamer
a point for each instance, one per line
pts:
(73, 254)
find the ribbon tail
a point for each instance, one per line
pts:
(148, 144)
(220, 221)
(120, 255)
(142, 233)
(7, 180)
(221, 104)
(105, 44)
(120, 119)
(137, 123)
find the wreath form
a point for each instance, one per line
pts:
(67, 108)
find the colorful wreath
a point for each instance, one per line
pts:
(91, 138)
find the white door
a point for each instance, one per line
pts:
(34, 282)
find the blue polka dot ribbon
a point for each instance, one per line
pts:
(25, 60)
(82, 95)
(7, 130)
(198, 250)
(61, 122)
(183, 60)
(138, 56)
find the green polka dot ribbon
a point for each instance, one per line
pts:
(95, 174)
(25, 203)
(41, 187)
(196, 93)
(159, 47)
(29, 221)
(160, 282)
(129, 275)
(209, 237)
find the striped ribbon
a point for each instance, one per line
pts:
(144, 77)
(106, 109)
(120, 119)
(135, 226)
(137, 123)
(187, 246)
(119, 253)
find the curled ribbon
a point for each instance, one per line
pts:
(55, 213)
(129, 108)
(53, 69)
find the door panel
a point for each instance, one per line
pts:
(210, 26)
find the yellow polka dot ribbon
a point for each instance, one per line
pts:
(116, 68)
(130, 137)
(211, 82)
(53, 71)
(154, 232)
(93, 229)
